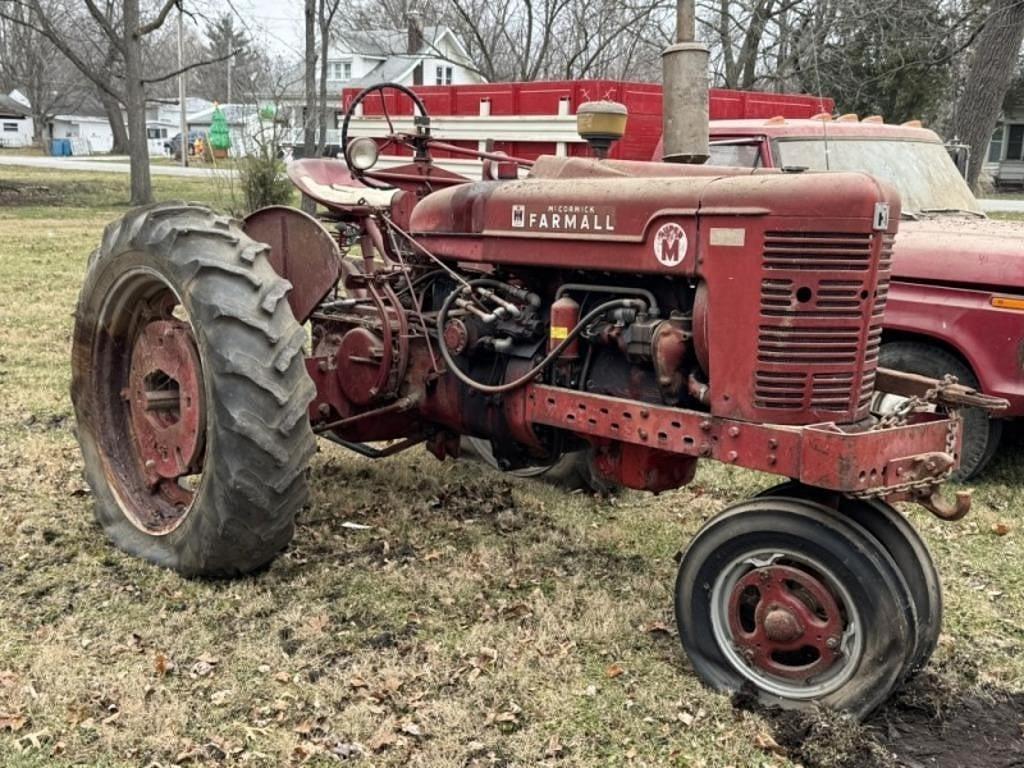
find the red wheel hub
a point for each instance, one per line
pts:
(166, 402)
(786, 621)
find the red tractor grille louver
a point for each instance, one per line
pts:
(822, 299)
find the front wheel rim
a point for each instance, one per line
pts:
(150, 404)
(801, 642)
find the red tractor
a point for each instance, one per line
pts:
(651, 313)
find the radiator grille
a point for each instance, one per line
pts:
(822, 300)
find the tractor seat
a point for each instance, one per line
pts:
(330, 183)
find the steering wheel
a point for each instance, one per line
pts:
(375, 179)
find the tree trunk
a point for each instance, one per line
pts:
(321, 112)
(309, 117)
(135, 103)
(112, 108)
(991, 70)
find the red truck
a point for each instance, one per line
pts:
(956, 301)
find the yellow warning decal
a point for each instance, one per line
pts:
(559, 332)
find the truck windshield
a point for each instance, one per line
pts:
(922, 171)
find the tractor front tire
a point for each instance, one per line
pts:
(190, 392)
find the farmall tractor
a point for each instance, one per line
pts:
(654, 314)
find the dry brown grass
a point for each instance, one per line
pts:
(475, 622)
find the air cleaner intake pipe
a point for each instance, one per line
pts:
(685, 92)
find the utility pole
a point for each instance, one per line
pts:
(183, 119)
(231, 59)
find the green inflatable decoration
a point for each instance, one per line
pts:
(220, 137)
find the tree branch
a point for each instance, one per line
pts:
(158, 22)
(188, 67)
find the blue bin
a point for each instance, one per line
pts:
(60, 147)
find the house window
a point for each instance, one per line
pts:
(339, 70)
(1015, 144)
(156, 133)
(995, 147)
(10, 127)
(443, 76)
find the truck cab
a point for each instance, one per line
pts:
(956, 301)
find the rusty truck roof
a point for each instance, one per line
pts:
(839, 129)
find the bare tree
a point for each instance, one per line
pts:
(326, 10)
(122, 28)
(30, 63)
(309, 80)
(992, 67)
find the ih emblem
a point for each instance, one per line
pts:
(670, 244)
(518, 216)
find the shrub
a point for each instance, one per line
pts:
(264, 180)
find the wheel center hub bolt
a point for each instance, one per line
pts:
(781, 626)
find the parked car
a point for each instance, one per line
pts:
(173, 145)
(956, 300)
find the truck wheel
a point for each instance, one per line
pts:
(981, 434)
(190, 392)
(907, 549)
(782, 599)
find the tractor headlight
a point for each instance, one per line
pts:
(363, 153)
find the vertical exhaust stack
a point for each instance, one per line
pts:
(685, 92)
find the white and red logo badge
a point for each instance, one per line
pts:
(670, 245)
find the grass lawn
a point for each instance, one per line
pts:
(475, 621)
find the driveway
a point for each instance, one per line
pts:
(1002, 205)
(106, 164)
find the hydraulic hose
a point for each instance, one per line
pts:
(496, 389)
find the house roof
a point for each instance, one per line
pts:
(391, 46)
(12, 108)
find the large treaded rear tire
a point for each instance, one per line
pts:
(258, 440)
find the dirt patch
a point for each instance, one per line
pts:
(929, 724)
(22, 193)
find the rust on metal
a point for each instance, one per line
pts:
(302, 251)
(784, 620)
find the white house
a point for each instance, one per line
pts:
(1005, 160)
(418, 55)
(16, 125)
(90, 134)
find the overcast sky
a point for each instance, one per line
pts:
(274, 23)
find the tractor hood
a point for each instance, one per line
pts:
(623, 204)
(956, 249)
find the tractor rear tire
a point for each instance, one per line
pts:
(981, 433)
(196, 456)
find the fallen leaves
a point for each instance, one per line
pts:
(554, 747)
(12, 723)
(507, 719)
(1001, 528)
(317, 624)
(204, 666)
(162, 664)
(221, 698)
(656, 628)
(766, 743)
(615, 670)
